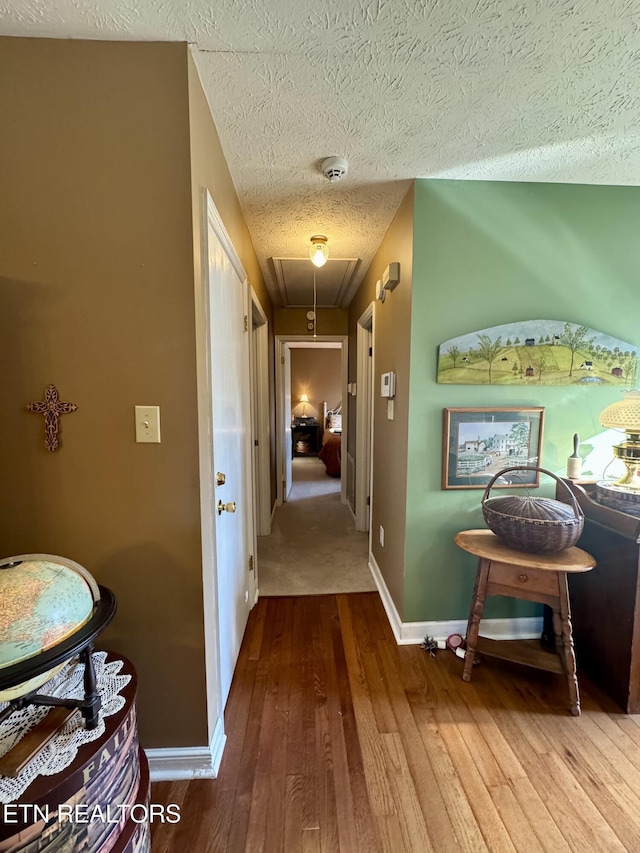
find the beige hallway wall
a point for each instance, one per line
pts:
(391, 345)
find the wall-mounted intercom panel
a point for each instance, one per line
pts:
(388, 385)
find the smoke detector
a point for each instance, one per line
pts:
(334, 168)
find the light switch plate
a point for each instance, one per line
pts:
(148, 424)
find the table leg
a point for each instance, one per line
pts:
(475, 615)
(564, 643)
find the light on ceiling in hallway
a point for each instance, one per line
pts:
(319, 251)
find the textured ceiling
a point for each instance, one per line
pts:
(482, 89)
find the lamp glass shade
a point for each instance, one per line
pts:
(304, 398)
(625, 414)
(319, 251)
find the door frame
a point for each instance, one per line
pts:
(259, 346)
(281, 418)
(283, 435)
(364, 418)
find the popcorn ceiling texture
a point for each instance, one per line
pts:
(471, 89)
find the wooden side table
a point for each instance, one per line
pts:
(503, 570)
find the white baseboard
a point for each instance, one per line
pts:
(273, 511)
(406, 633)
(188, 762)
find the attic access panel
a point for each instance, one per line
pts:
(335, 284)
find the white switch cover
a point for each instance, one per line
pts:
(390, 409)
(382, 535)
(148, 424)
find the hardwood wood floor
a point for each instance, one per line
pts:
(340, 740)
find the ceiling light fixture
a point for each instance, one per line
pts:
(319, 251)
(315, 305)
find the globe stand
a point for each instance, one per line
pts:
(78, 644)
(89, 706)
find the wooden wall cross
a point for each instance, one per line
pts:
(51, 407)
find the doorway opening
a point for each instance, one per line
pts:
(308, 369)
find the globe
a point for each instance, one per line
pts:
(43, 600)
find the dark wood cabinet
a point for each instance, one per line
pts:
(605, 602)
(305, 440)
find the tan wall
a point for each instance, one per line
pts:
(317, 373)
(96, 271)
(293, 321)
(210, 171)
(391, 346)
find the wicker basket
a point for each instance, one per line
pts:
(535, 525)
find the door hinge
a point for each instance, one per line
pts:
(255, 442)
(251, 563)
(281, 359)
(368, 500)
(370, 351)
(246, 323)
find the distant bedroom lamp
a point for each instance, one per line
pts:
(319, 251)
(625, 415)
(304, 399)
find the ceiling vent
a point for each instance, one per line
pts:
(334, 168)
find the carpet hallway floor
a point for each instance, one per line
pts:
(313, 548)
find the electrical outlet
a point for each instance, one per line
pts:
(382, 535)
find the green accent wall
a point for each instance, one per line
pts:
(487, 253)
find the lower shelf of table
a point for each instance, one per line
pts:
(526, 652)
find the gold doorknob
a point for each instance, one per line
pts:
(221, 478)
(228, 507)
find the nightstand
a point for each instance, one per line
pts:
(305, 440)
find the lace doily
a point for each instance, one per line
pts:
(62, 749)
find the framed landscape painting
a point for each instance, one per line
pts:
(478, 443)
(538, 352)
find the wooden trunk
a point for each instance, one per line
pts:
(96, 805)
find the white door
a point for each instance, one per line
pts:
(231, 418)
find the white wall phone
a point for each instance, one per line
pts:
(388, 385)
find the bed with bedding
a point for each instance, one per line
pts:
(330, 452)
